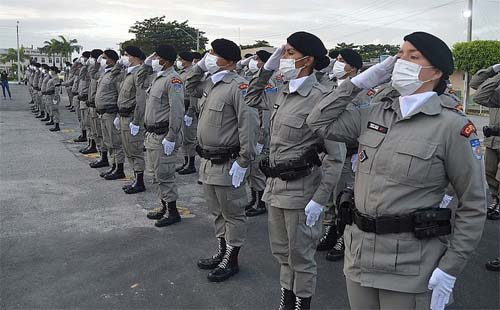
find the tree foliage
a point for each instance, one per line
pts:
(367, 51)
(152, 32)
(475, 55)
(258, 43)
(11, 55)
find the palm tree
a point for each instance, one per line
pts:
(52, 48)
(68, 47)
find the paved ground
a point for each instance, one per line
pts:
(71, 240)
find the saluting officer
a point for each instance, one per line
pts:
(163, 122)
(226, 136)
(398, 241)
(297, 187)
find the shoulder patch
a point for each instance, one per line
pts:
(243, 88)
(476, 149)
(270, 89)
(176, 80)
(370, 92)
(468, 129)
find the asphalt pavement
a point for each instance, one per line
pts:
(72, 240)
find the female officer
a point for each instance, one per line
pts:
(295, 190)
(399, 243)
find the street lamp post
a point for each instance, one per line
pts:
(468, 14)
(18, 56)
(197, 39)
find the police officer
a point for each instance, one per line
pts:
(95, 72)
(69, 76)
(83, 95)
(44, 72)
(34, 86)
(487, 84)
(43, 89)
(163, 122)
(106, 98)
(53, 91)
(131, 106)
(185, 63)
(410, 148)
(196, 57)
(297, 187)
(226, 136)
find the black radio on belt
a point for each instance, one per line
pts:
(292, 169)
(491, 131)
(345, 205)
(219, 156)
(90, 104)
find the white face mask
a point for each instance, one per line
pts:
(91, 61)
(253, 66)
(82, 60)
(405, 77)
(103, 63)
(125, 61)
(339, 69)
(288, 70)
(43, 71)
(211, 63)
(156, 65)
(179, 65)
(52, 73)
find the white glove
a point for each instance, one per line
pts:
(54, 101)
(168, 147)
(313, 211)
(201, 63)
(273, 63)
(244, 62)
(238, 174)
(496, 68)
(99, 58)
(445, 201)
(116, 122)
(134, 130)
(258, 148)
(149, 60)
(188, 121)
(376, 74)
(354, 162)
(441, 285)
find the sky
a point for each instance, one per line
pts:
(105, 23)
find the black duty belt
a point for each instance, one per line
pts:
(158, 128)
(90, 104)
(293, 169)
(109, 110)
(126, 112)
(219, 156)
(351, 151)
(83, 97)
(74, 93)
(37, 88)
(50, 92)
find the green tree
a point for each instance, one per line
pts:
(68, 47)
(151, 32)
(12, 55)
(375, 50)
(258, 43)
(475, 55)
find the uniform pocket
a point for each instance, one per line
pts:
(291, 127)
(368, 146)
(412, 162)
(396, 256)
(215, 113)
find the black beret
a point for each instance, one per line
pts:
(36, 64)
(54, 68)
(434, 49)
(187, 56)
(310, 45)
(247, 55)
(263, 55)
(333, 54)
(226, 49)
(166, 52)
(67, 63)
(45, 66)
(95, 53)
(135, 51)
(75, 59)
(111, 54)
(352, 57)
(86, 54)
(197, 55)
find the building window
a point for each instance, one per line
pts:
(43, 60)
(57, 60)
(50, 60)
(36, 59)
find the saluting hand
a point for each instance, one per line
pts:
(273, 63)
(375, 75)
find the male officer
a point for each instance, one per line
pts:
(163, 122)
(226, 136)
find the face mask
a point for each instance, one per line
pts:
(43, 71)
(339, 69)
(91, 61)
(211, 63)
(253, 66)
(103, 63)
(288, 70)
(83, 60)
(179, 65)
(156, 65)
(405, 77)
(52, 73)
(125, 61)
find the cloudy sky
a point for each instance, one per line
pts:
(104, 23)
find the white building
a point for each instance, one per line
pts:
(36, 55)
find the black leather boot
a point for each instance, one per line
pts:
(46, 118)
(327, 241)
(82, 137)
(86, 147)
(260, 208)
(138, 185)
(109, 171)
(91, 149)
(55, 128)
(337, 253)
(101, 162)
(287, 300)
(51, 122)
(117, 174)
(183, 165)
(252, 201)
(227, 267)
(302, 303)
(214, 261)
(172, 217)
(41, 115)
(157, 213)
(190, 168)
